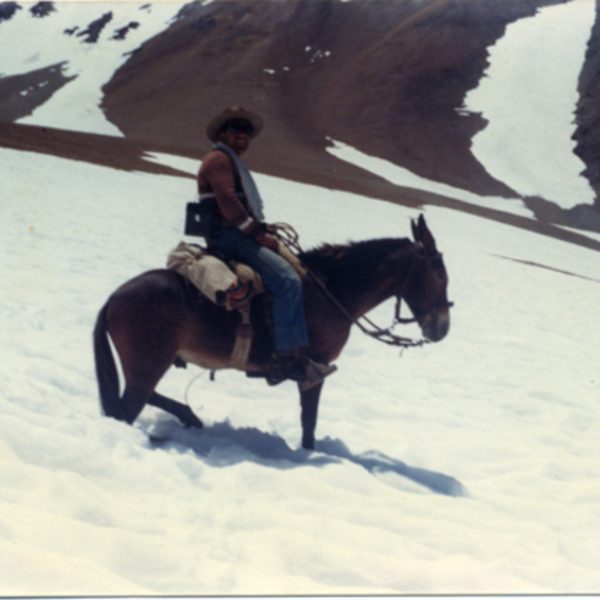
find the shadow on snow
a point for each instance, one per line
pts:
(222, 445)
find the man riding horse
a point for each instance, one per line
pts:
(237, 230)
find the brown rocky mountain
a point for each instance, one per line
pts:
(384, 76)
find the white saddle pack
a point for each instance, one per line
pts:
(212, 276)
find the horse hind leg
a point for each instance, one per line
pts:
(132, 403)
(182, 411)
(141, 379)
(143, 371)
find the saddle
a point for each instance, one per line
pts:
(231, 284)
(226, 283)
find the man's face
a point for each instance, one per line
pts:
(237, 135)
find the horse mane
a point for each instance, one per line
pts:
(352, 262)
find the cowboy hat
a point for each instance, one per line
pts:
(233, 112)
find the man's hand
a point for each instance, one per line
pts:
(268, 241)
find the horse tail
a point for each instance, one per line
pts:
(106, 369)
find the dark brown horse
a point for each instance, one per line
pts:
(156, 319)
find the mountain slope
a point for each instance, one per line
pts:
(388, 77)
(383, 76)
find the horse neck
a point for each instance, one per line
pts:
(357, 278)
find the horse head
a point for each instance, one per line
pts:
(424, 288)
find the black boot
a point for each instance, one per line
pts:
(286, 364)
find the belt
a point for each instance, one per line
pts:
(211, 196)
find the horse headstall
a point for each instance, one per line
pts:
(424, 254)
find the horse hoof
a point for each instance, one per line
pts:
(308, 444)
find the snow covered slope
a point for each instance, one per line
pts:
(465, 466)
(468, 466)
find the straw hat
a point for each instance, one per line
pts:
(233, 112)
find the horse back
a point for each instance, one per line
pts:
(151, 283)
(159, 313)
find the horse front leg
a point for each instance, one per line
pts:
(309, 402)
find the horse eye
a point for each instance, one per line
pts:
(439, 271)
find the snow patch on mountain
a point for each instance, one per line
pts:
(90, 44)
(403, 177)
(529, 98)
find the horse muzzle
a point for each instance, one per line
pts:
(436, 324)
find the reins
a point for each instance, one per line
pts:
(288, 236)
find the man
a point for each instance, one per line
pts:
(241, 234)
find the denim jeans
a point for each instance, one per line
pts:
(279, 277)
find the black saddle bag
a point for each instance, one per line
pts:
(202, 219)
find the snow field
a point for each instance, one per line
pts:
(504, 406)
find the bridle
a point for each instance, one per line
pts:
(441, 303)
(287, 235)
(387, 335)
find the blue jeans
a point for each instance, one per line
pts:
(279, 277)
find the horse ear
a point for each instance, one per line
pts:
(425, 236)
(415, 231)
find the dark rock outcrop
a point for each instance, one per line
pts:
(587, 114)
(42, 9)
(94, 29)
(20, 95)
(121, 33)
(7, 10)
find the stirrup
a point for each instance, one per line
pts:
(316, 373)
